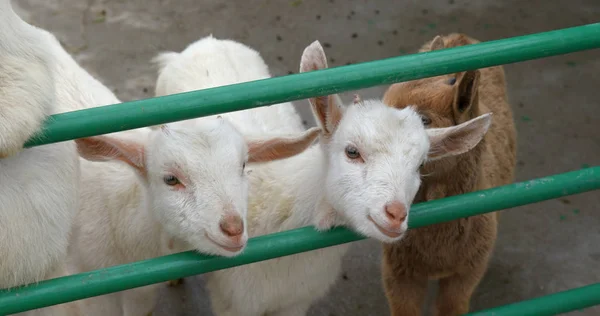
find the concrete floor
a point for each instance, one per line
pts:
(542, 248)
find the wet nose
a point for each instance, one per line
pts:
(232, 226)
(396, 214)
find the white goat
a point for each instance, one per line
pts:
(38, 186)
(183, 187)
(364, 174)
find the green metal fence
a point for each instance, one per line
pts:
(130, 115)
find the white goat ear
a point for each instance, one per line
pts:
(459, 139)
(105, 148)
(437, 43)
(326, 109)
(281, 147)
(313, 58)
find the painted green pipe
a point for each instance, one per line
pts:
(548, 305)
(185, 264)
(136, 114)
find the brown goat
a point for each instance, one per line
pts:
(456, 253)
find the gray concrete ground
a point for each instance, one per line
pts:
(542, 248)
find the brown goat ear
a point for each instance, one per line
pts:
(466, 93)
(437, 43)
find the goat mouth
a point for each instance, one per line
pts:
(384, 231)
(227, 248)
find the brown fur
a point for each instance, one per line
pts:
(456, 253)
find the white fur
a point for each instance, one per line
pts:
(319, 187)
(178, 74)
(39, 186)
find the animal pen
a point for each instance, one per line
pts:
(160, 110)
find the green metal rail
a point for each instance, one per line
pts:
(161, 110)
(130, 115)
(266, 247)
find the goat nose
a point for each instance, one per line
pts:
(232, 225)
(396, 213)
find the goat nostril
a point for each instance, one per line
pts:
(232, 226)
(396, 212)
(389, 214)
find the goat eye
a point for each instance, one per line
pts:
(352, 152)
(171, 180)
(426, 121)
(452, 81)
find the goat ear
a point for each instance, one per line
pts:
(326, 109)
(281, 147)
(437, 43)
(466, 93)
(459, 139)
(106, 148)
